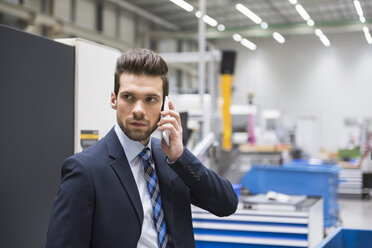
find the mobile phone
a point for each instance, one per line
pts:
(165, 133)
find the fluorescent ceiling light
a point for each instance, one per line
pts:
(322, 37)
(310, 22)
(367, 35)
(247, 12)
(237, 37)
(186, 6)
(248, 44)
(358, 8)
(278, 37)
(325, 40)
(210, 21)
(362, 19)
(264, 25)
(207, 19)
(292, 1)
(318, 32)
(221, 27)
(302, 12)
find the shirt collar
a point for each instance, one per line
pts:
(132, 148)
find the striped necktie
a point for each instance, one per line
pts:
(153, 189)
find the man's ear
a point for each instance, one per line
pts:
(113, 101)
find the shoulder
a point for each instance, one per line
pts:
(93, 156)
(92, 153)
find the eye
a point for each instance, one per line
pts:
(127, 96)
(151, 99)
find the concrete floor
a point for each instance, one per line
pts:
(355, 213)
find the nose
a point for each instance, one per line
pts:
(138, 109)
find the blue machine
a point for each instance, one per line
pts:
(343, 238)
(255, 227)
(298, 178)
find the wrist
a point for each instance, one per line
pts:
(173, 159)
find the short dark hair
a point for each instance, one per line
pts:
(142, 62)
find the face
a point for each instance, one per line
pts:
(138, 105)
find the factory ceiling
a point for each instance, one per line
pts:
(330, 16)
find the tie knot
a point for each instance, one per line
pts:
(145, 154)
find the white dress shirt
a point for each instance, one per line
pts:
(149, 235)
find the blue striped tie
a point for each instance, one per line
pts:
(153, 189)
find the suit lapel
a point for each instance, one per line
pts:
(122, 169)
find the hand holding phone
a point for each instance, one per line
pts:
(170, 126)
(165, 134)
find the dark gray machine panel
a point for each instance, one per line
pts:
(36, 132)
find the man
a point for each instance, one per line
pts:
(131, 190)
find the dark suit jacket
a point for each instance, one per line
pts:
(98, 204)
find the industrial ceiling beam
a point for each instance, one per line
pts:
(61, 27)
(191, 57)
(145, 14)
(13, 10)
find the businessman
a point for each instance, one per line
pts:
(129, 189)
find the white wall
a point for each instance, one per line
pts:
(308, 80)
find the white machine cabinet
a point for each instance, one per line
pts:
(94, 82)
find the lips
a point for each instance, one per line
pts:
(137, 124)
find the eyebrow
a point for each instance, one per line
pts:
(147, 95)
(154, 95)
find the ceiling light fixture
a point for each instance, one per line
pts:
(186, 6)
(248, 44)
(310, 23)
(322, 37)
(325, 40)
(210, 21)
(221, 27)
(247, 12)
(278, 37)
(302, 12)
(367, 35)
(207, 19)
(358, 8)
(237, 37)
(318, 32)
(292, 1)
(362, 19)
(264, 25)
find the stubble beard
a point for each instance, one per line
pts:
(137, 134)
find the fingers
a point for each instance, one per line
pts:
(169, 123)
(173, 118)
(171, 105)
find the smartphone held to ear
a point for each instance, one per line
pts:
(165, 134)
